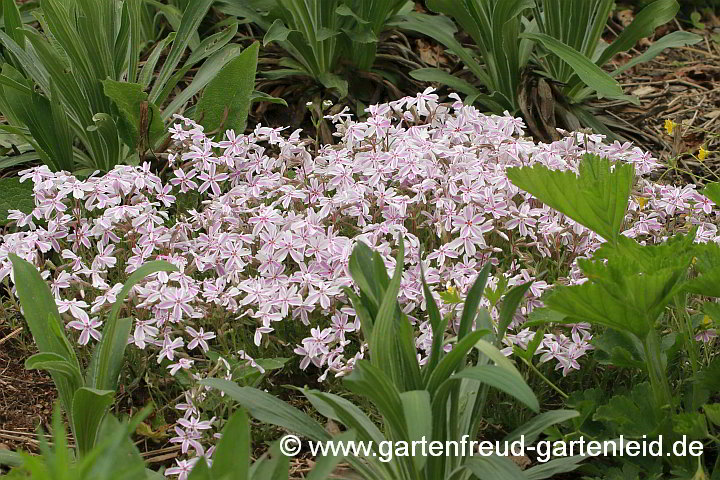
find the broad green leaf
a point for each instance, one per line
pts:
(597, 198)
(207, 71)
(89, 407)
(632, 414)
(225, 103)
(690, 424)
(593, 76)
(712, 191)
(140, 124)
(232, 454)
(712, 411)
(270, 409)
(15, 196)
(332, 81)
(418, 416)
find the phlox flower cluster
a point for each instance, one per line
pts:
(276, 220)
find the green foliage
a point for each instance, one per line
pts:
(114, 457)
(225, 103)
(441, 401)
(15, 196)
(321, 37)
(231, 460)
(82, 71)
(597, 197)
(84, 399)
(561, 39)
(631, 289)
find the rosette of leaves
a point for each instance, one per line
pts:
(323, 39)
(75, 90)
(559, 41)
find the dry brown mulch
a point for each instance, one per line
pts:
(26, 396)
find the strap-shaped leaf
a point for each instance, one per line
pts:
(418, 415)
(496, 377)
(372, 383)
(324, 466)
(532, 429)
(494, 468)
(657, 13)
(511, 301)
(109, 355)
(89, 407)
(232, 454)
(192, 16)
(597, 198)
(392, 348)
(44, 321)
(472, 302)
(593, 76)
(54, 363)
(347, 413)
(270, 409)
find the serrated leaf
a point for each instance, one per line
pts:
(633, 414)
(597, 198)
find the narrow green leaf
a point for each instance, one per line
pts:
(108, 356)
(193, 15)
(270, 409)
(593, 76)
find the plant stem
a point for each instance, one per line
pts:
(545, 379)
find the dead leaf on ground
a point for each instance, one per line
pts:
(430, 54)
(644, 91)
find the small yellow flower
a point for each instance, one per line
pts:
(706, 321)
(694, 260)
(451, 290)
(670, 126)
(641, 201)
(702, 154)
